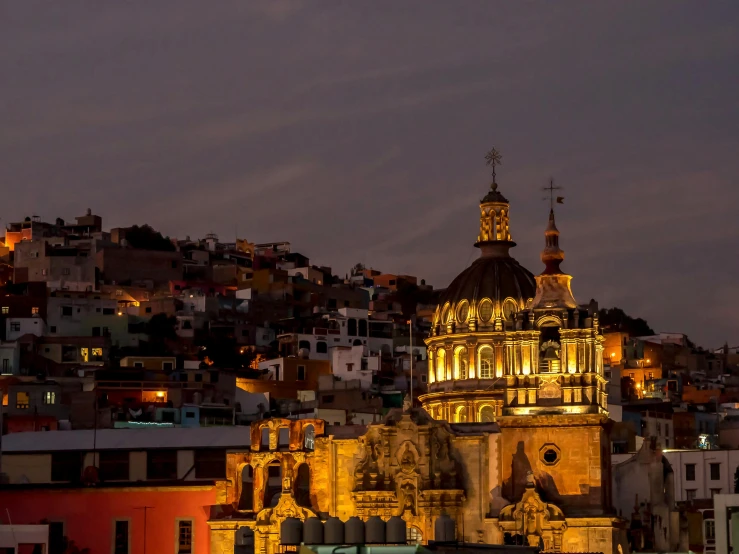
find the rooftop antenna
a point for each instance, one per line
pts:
(550, 189)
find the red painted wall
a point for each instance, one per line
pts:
(88, 514)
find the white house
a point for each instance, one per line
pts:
(703, 473)
(10, 358)
(16, 327)
(350, 362)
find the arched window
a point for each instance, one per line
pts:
(302, 486)
(274, 484)
(351, 327)
(309, 436)
(321, 347)
(246, 500)
(362, 327)
(357, 342)
(460, 363)
(486, 363)
(413, 535)
(460, 414)
(264, 441)
(304, 344)
(487, 414)
(440, 369)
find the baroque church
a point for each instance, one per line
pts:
(511, 440)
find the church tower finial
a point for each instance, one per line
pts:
(495, 236)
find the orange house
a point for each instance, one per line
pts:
(114, 519)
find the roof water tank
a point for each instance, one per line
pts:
(291, 531)
(244, 537)
(354, 531)
(444, 529)
(313, 531)
(333, 531)
(396, 530)
(374, 530)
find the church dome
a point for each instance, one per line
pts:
(495, 286)
(492, 287)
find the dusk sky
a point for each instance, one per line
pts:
(357, 131)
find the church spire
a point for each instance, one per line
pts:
(553, 285)
(552, 255)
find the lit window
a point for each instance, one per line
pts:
(85, 354)
(413, 535)
(34, 310)
(49, 397)
(97, 354)
(463, 311)
(486, 363)
(6, 309)
(22, 400)
(486, 310)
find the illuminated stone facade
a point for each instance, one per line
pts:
(512, 441)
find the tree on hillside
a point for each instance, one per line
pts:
(615, 319)
(146, 238)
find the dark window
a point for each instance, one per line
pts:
(331, 304)
(327, 398)
(362, 327)
(121, 538)
(214, 376)
(321, 347)
(198, 377)
(304, 344)
(346, 303)
(210, 464)
(56, 537)
(53, 329)
(161, 464)
(184, 537)
(190, 415)
(114, 465)
(174, 265)
(550, 456)
(168, 417)
(66, 466)
(138, 364)
(96, 331)
(147, 309)
(351, 328)
(66, 311)
(108, 311)
(65, 271)
(715, 472)
(301, 373)
(167, 366)
(690, 472)
(15, 326)
(106, 331)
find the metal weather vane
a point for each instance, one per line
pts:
(550, 189)
(493, 158)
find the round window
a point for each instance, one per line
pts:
(550, 456)
(486, 310)
(445, 315)
(463, 311)
(509, 309)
